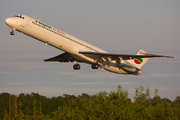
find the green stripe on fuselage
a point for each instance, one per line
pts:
(44, 25)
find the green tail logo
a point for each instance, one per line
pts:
(138, 60)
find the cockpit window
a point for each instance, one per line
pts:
(16, 16)
(20, 16)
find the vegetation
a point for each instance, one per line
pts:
(104, 106)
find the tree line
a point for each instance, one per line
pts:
(107, 106)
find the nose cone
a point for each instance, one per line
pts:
(8, 21)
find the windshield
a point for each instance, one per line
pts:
(16, 16)
(20, 16)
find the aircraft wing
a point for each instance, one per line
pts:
(65, 57)
(111, 56)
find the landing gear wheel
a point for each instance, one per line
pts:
(76, 66)
(94, 66)
(12, 32)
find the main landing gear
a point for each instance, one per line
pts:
(94, 66)
(76, 66)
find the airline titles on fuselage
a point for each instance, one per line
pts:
(47, 27)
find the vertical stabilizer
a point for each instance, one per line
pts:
(139, 62)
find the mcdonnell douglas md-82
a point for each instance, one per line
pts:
(76, 50)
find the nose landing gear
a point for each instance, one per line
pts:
(12, 32)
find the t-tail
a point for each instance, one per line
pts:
(139, 62)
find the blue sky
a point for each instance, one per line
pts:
(117, 26)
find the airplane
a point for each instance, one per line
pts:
(76, 50)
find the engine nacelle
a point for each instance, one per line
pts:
(131, 69)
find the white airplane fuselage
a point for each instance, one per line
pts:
(67, 43)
